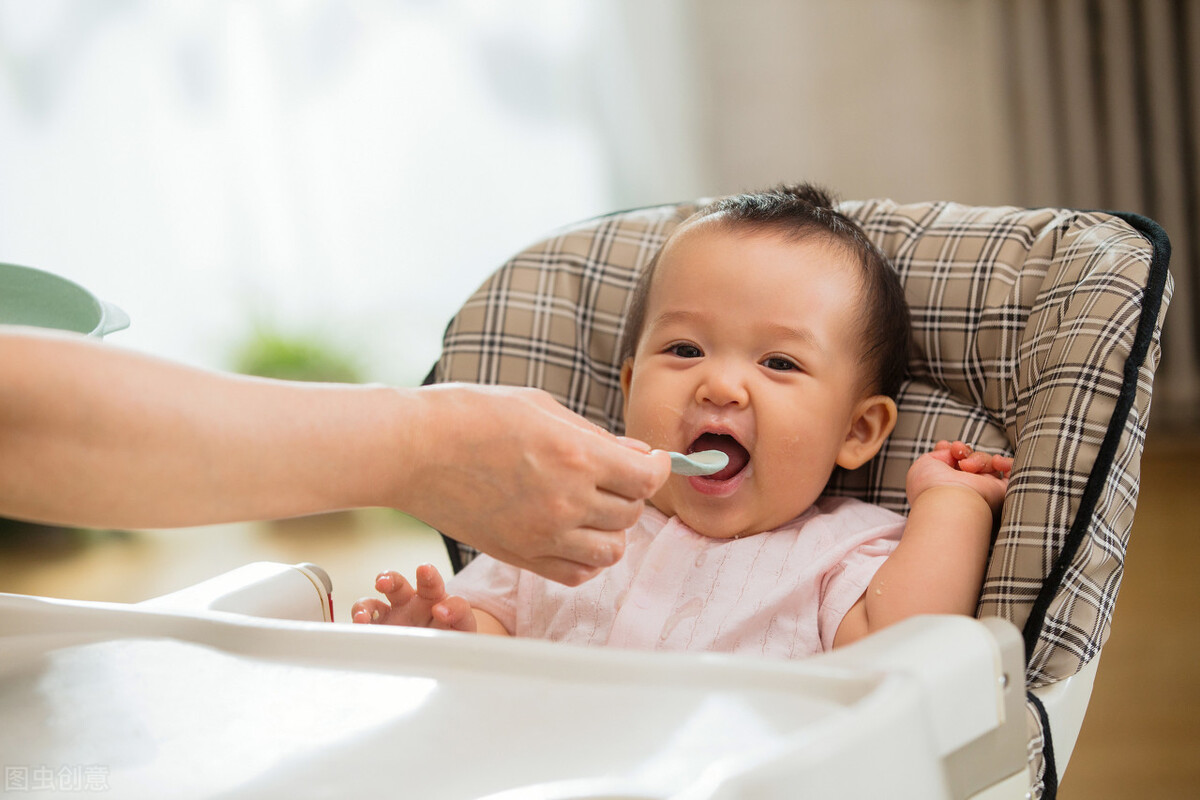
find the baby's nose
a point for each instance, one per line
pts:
(723, 385)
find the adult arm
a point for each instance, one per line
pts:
(91, 434)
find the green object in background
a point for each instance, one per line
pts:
(44, 300)
(269, 353)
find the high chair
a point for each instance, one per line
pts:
(1037, 336)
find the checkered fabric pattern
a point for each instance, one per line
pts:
(1036, 336)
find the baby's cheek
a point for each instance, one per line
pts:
(636, 426)
(790, 486)
(664, 498)
(652, 432)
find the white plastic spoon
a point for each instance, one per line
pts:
(706, 462)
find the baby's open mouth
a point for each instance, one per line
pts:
(739, 457)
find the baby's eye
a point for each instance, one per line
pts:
(780, 364)
(684, 350)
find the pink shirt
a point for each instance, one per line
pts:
(781, 594)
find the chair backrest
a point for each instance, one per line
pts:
(1037, 335)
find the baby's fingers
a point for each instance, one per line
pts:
(967, 460)
(454, 613)
(430, 585)
(976, 463)
(395, 587)
(986, 464)
(369, 611)
(959, 451)
(963, 457)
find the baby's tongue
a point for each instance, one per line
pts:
(738, 457)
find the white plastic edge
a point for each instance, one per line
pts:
(1066, 702)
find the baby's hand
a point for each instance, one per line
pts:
(427, 606)
(957, 465)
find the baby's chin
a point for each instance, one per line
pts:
(709, 519)
(714, 529)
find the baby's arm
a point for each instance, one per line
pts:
(426, 606)
(938, 566)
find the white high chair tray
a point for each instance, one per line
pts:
(169, 704)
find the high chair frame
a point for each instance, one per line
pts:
(1037, 336)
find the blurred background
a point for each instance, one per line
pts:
(255, 180)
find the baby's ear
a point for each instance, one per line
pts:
(626, 381)
(872, 422)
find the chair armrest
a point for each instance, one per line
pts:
(971, 674)
(262, 589)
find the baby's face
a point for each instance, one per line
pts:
(749, 346)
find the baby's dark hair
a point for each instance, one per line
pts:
(799, 212)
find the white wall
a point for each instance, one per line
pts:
(349, 170)
(356, 169)
(874, 98)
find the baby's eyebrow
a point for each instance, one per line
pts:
(803, 336)
(771, 330)
(673, 317)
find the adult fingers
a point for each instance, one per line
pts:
(634, 444)
(589, 547)
(560, 570)
(546, 402)
(578, 555)
(622, 465)
(630, 473)
(611, 512)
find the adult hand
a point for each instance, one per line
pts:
(515, 474)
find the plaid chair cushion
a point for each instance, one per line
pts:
(1036, 336)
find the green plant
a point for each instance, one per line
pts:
(270, 353)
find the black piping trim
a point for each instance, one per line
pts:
(1152, 299)
(1050, 770)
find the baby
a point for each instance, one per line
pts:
(770, 328)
